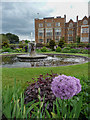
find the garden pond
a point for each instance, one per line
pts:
(11, 61)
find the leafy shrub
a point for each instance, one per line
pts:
(39, 45)
(73, 50)
(6, 49)
(38, 50)
(65, 50)
(78, 39)
(53, 107)
(58, 49)
(44, 49)
(52, 44)
(61, 42)
(19, 50)
(34, 104)
(12, 46)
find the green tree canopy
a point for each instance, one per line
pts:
(61, 42)
(78, 39)
(4, 40)
(14, 39)
(52, 44)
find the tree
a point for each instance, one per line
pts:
(14, 39)
(52, 44)
(78, 39)
(61, 42)
(4, 39)
(27, 41)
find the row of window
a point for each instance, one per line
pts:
(83, 39)
(50, 34)
(49, 24)
(48, 40)
(49, 31)
(85, 30)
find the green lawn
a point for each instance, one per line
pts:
(86, 55)
(52, 52)
(22, 75)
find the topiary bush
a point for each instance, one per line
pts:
(52, 44)
(61, 42)
(66, 50)
(44, 49)
(58, 49)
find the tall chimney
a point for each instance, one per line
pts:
(77, 18)
(65, 17)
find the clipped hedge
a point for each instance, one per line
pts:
(58, 49)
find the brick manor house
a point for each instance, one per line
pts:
(51, 28)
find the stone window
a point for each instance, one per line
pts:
(70, 32)
(57, 23)
(85, 22)
(70, 38)
(40, 25)
(57, 31)
(85, 30)
(41, 32)
(48, 40)
(71, 24)
(57, 40)
(49, 31)
(40, 40)
(48, 24)
(84, 39)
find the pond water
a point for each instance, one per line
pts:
(51, 60)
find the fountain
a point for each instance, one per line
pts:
(31, 56)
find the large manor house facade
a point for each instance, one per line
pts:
(51, 28)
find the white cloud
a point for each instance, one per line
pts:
(70, 9)
(18, 17)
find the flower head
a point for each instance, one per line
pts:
(65, 87)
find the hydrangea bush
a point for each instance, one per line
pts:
(65, 87)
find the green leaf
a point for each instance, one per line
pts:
(57, 107)
(31, 107)
(78, 107)
(54, 115)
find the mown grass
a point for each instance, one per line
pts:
(22, 75)
(52, 52)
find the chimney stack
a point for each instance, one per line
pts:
(65, 17)
(77, 19)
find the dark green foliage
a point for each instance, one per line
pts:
(27, 41)
(61, 42)
(12, 38)
(78, 39)
(4, 40)
(58, 49)
(6, 49)
(44, 49)
(52, 44)
(39, 45)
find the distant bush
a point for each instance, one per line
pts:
(6, 49)
(58, 49)
(19, 50)
(77, 45)
(44, 49)
(39, 45)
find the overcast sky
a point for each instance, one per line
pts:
(18, 17)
